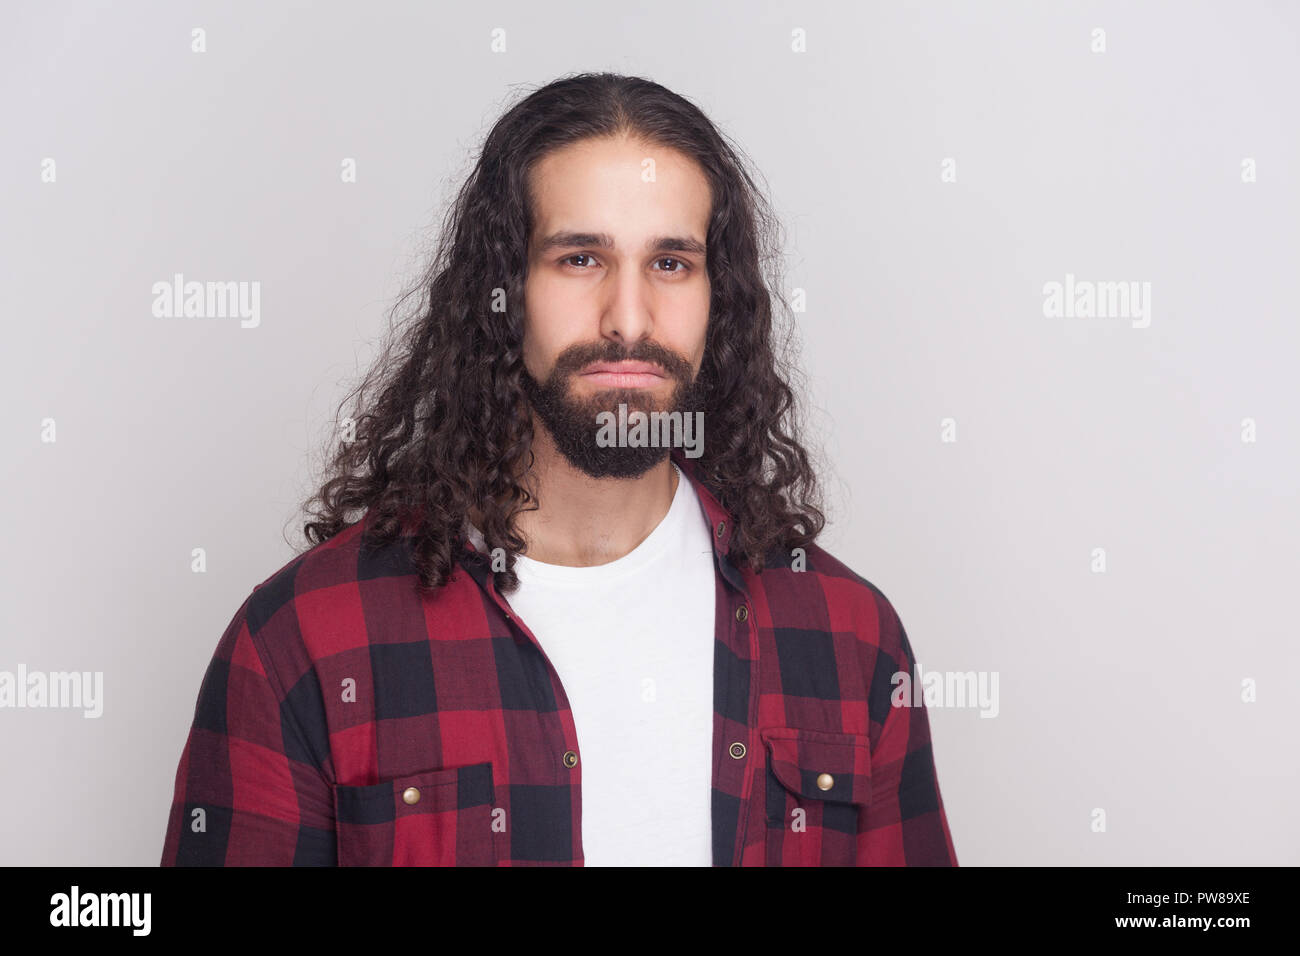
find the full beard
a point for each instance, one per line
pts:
(573, 425)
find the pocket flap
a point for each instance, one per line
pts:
(820, 765)
(433, 791)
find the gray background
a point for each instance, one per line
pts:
(1119, 691)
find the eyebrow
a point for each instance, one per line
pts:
(603, 240)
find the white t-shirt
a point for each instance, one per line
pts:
(632, 642)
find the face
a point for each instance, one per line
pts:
(617, 294)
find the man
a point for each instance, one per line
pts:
(549, 640)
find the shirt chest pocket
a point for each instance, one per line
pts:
(818, 787)
(435, 818)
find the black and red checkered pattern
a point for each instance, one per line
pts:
(347, 720)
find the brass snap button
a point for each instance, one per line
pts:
(722, 526)
(742, 613)
(570, 759)
(825, 781)
(411, 795)
(737, 750)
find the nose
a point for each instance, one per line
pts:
(628, 317)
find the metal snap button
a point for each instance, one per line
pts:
(737, 750)
(570, 759)
(825, 781)
(722, 526)
(742, 613)
(411, 795)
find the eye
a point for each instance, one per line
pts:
(578, 255)
(684, 266)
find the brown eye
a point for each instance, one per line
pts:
(579, 255)
(684, 266)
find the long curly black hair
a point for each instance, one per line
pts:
(441, 424)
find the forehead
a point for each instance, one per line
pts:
(625, 187)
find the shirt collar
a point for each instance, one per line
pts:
(720, 523)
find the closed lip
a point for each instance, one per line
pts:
(624, 368)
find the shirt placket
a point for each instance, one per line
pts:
(735, 701)
(567, 754)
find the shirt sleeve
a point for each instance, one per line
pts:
(906, 822)
(250, 789)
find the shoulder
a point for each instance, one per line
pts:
(812, 588)
(316, 571)
(347, 593)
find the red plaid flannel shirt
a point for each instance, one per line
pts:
(347, 720)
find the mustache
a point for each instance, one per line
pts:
(577, 357)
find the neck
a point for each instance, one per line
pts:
(583, 521)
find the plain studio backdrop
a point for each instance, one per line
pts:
(1099, 510)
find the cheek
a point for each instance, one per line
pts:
(546, 309)
(699, 321)
(539, 356)
(690, 337)
(539, 332)
(554, 319)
